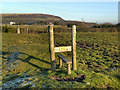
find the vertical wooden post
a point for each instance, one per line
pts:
(18, 30)
(68, 69)
(74, 66)
(60, 62)
(27, 30)
(51, 47)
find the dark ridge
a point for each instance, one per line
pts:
(29, 18)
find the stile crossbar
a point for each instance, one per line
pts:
(54, 50)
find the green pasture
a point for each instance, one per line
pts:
(97, 58)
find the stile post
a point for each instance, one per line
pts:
(60, 62)
(27, 30)
(18, 30)
(51, 47)
(74, 66)
(68, 69)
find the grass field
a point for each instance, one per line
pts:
(97, 59)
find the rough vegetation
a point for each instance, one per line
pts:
(36, 29)
(26, 61)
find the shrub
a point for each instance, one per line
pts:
(8, 29)
(5, 29)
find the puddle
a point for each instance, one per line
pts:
(21, 81)
(89, 47)
(26, 83)
(18, 82)
(114, 62)
(12, 62)
(112, 68)
(34, 85)
(43, 86)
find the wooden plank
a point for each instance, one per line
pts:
(51, 47)
(63, 49)
(64, 59)
(61, 56)
(74, 47)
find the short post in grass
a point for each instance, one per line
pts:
(51, 47)
(60, 62)
(74, 66)
(68, 69)
(18, 30)
(27, 30)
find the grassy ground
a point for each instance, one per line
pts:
(97, 59)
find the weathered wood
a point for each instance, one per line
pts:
(51, 47)
(61, 56)
(74, 47)
(68, 69)
(18, 30)
(27, 30)
(67, 61)
(63, 49)
(60, 62)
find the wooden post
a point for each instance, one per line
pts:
(68, 69)
(18, 30)
(51, 47)
(74, 66)
(27, 30)
(60, 62)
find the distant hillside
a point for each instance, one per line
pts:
(38, 19)
(30, 18)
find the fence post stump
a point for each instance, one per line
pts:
(18, 30)
(51, 47)
(27, 30)
(74, 66)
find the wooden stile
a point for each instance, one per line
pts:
(53, 49)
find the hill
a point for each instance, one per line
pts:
(42, 19)
(30, 18)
